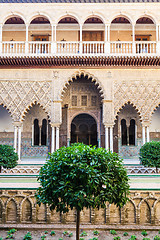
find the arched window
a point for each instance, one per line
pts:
(132, 132)
(123, 132)
(36, 132)
(44, 132)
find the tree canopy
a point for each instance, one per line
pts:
(150, 154)
(82, 176)
(8, 158)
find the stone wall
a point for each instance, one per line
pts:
(19, 206)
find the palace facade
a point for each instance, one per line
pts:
(79, 72)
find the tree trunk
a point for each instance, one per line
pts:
(77, 224)
(156, 169)
(0, 169)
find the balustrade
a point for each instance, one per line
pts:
(119, 47)
(93, 47)
(36, 48)
(13, 47)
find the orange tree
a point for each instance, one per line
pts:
(82, 176)
(8, 158)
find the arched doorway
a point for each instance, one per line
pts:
(84, 129)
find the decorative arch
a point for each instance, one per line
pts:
(97, 15)
(69, 14)
(41, 14)
(8, 109)
(11, 210)
(121, 15)
(145, 212)
(151, 16)
(15, 14)
(26, 210)
(30, 105)
(90, 76)
(84, 112)
(117, 111)
(129, 211)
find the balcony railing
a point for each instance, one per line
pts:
(63, 48)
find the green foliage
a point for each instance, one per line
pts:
(144, 233)
(125, 234)
(10, 236)
(81, 239)
(133, 237)
(13, 230)
(67, 234)
(43, 237)
(146, 239)
(95, 232)
(46, 232)
(83, 234)
(156, 238)
(28, 236)
(53, 233)
(8, 158)
(95, 238)
(1, 238)
(82, 176)
(117, 238)
(159, 231)
(113, 232)
(150, 154)
(60, 239)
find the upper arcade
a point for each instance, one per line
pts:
(119, 32)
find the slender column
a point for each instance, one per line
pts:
(53, 139)
(1, 27)
(111, 139)
(32, 134)
(47, 134)
(19, 142)
(15, 138)
(143, 134)
(57, 138)
(128, 135)
(40, 133)
(135, 134)
(54, 39)
(106, 138)
(158, 38)
(107, 43)
(148, 134)
(80, 38)
(133, 40)
(27, 45)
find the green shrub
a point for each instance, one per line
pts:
(1, 238)
(28, 236)
(146, 239)
(133, 237)
(144, 233)
(83, 234)
(13, 230)
(125, 234)
(46, 232)
(9, 236)
(8, 158)
(53, 233)
(150, 154)
(81, 239)
(156, 238)
(113, 232)
(60, 239)
(43, 237)
(117, 238)
(95, 232)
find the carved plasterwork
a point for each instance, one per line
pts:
(144, 95)
(18, 96)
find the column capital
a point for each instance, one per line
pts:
(108, 125)
(145, 123)
(55, 124)
(17, 124)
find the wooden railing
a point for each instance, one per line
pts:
(34, 48)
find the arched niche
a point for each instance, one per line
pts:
(93, 29)
(11, 212)
(41, 213)
(145, 213)
(14, 29)
(120, 31)
(35, 133)
(129, 213)
(81, 96)
(154, 127)
(26, 211)
(114, 214)
(6, 127)
(128, 132)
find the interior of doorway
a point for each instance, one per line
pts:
(84, 130)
